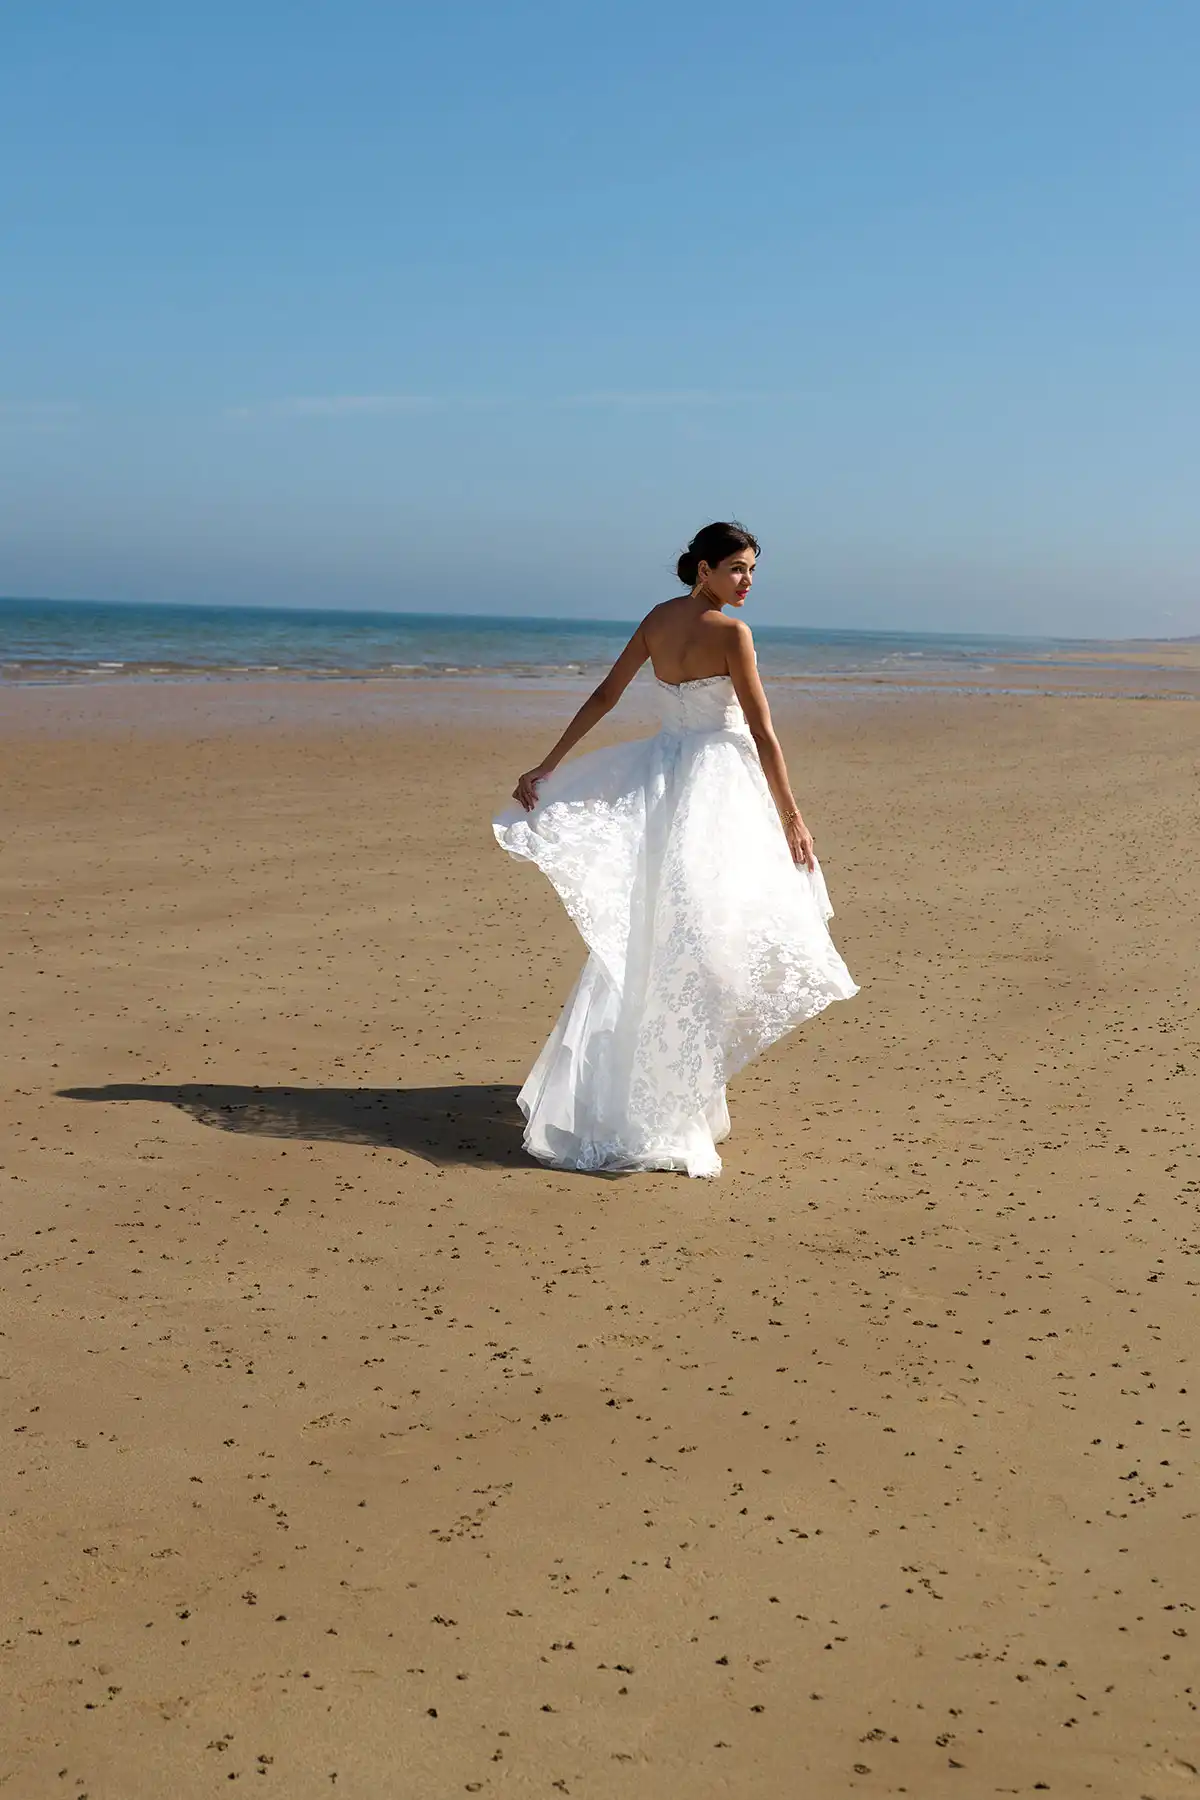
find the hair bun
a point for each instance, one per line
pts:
(712, 545)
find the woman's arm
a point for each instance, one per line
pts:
(597, 704)
(749, 689)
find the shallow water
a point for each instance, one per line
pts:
(56, 641)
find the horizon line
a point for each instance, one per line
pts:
(560, 619)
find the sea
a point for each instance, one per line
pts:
(84, 641)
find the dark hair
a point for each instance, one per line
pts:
(713, 545)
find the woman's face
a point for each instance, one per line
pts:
(730, 581)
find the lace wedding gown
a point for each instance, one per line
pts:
(705, 942)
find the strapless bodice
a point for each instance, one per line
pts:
(708, 704)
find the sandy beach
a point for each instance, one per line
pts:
(352, 1454)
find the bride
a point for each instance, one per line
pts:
(701, 903)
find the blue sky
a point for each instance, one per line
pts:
(487, 308)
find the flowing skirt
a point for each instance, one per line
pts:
(705, 945)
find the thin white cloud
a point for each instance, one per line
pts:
(339, 406)
(665, 397)
(39, 415)
(367, 406)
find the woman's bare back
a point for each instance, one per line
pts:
(688, 641)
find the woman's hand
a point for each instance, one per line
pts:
(799, 841)
(526, 789)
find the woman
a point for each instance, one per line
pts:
(701, 904)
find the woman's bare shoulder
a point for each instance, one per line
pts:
(736, 630)
(663, 614)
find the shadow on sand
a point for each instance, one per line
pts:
(478, 1126)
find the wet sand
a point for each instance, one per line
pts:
(351, 1454)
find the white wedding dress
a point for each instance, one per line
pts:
(706, 942)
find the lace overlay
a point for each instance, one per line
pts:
(706, 943)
